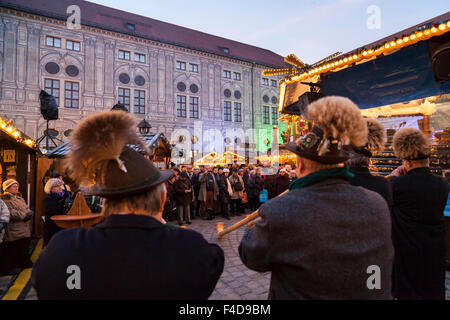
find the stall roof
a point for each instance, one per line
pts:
(149, 139)
(10, 130)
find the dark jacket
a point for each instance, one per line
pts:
(224, 195)
(281, 184)
(319, 242)
(170, 205)
(255, 186)
(379, 184)
(181, 197)
(129, 257)
(418, 235)
(269, 184)
(195, 185)
(54, 205)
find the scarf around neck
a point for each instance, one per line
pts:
(312, 178)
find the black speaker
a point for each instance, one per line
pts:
(439, 49)
(49, 107)
(299, 107)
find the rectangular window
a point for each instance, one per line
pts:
(124, 97)
(124, 55)
(265, 81)
(181, 65)
(193, 107)
(236, 76)
(227, 74)
(227, 110)
(71, 97)
(266, 115)
(139, 57)
(273, 83)
(130, 26)
(274, 115)
(53, 42)
(237, 112)
(139, 101)
(181, 106)
(52, 87)
(72, 45)
(193, 67)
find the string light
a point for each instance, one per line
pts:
(8, 128)
(419, 35)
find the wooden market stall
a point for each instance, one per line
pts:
(18, 154)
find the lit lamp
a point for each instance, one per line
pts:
(144, 127)
(220, 226)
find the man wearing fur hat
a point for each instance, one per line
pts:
(360, 158)
(418, 231)
(133, 253)
(325, 237)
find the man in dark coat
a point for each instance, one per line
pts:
(133, 254)
(324, 239)
(282, 182)
(359, 161)
(224, 195)
(183, 198)
(418, 230)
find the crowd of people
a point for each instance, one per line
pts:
(340, 232)
(206, 192)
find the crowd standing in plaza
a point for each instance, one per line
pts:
(319, 240)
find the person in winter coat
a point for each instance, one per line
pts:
(170, 206)
(269, 182)
(418, 230)
(324, 238)
(55, 203)
(133, 253)
(360, 157)
(237, 185)
(209, 190)
(18, 232)
(224, 191)
(255, 186)
(183, 198)
(282, 182)
(196, 187)
(4, 219)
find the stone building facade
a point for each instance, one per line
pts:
(172, 87)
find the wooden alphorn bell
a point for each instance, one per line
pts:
(244, 221)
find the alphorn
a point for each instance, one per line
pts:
(244, 221)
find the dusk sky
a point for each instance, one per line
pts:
(311, 29)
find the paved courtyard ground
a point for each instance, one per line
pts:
(237, 282)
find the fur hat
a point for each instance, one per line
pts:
(53, 182)
(8, 183)
(376, 139)
(411, 144)
(100, 153)
(337, 121)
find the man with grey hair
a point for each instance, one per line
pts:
(324, 239)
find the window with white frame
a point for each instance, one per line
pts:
(274, 115)
(265, 81)
(273, 83)
(181, 106)
(181, 65)
(124, 97)
(236, 76)
(71, 94)
(227, 74)
(124, 55)
(266, 115)
(139, 57)
(51, 86)
(227, 111)
(53, 42)
(193, 107)
(73, 45)
(193, 67)
(237, 112)
(139, 101)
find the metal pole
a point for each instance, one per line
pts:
(46, 136)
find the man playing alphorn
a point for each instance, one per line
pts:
(324, 239)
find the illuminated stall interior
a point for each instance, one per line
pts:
(403, 80)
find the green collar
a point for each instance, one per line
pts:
(360, 170)
(419, 170)
(312, 178)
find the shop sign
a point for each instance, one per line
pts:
(9, 156)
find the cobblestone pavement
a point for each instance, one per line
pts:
(237, 281)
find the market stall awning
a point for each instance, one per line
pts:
(151, 140)
(8, 128)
